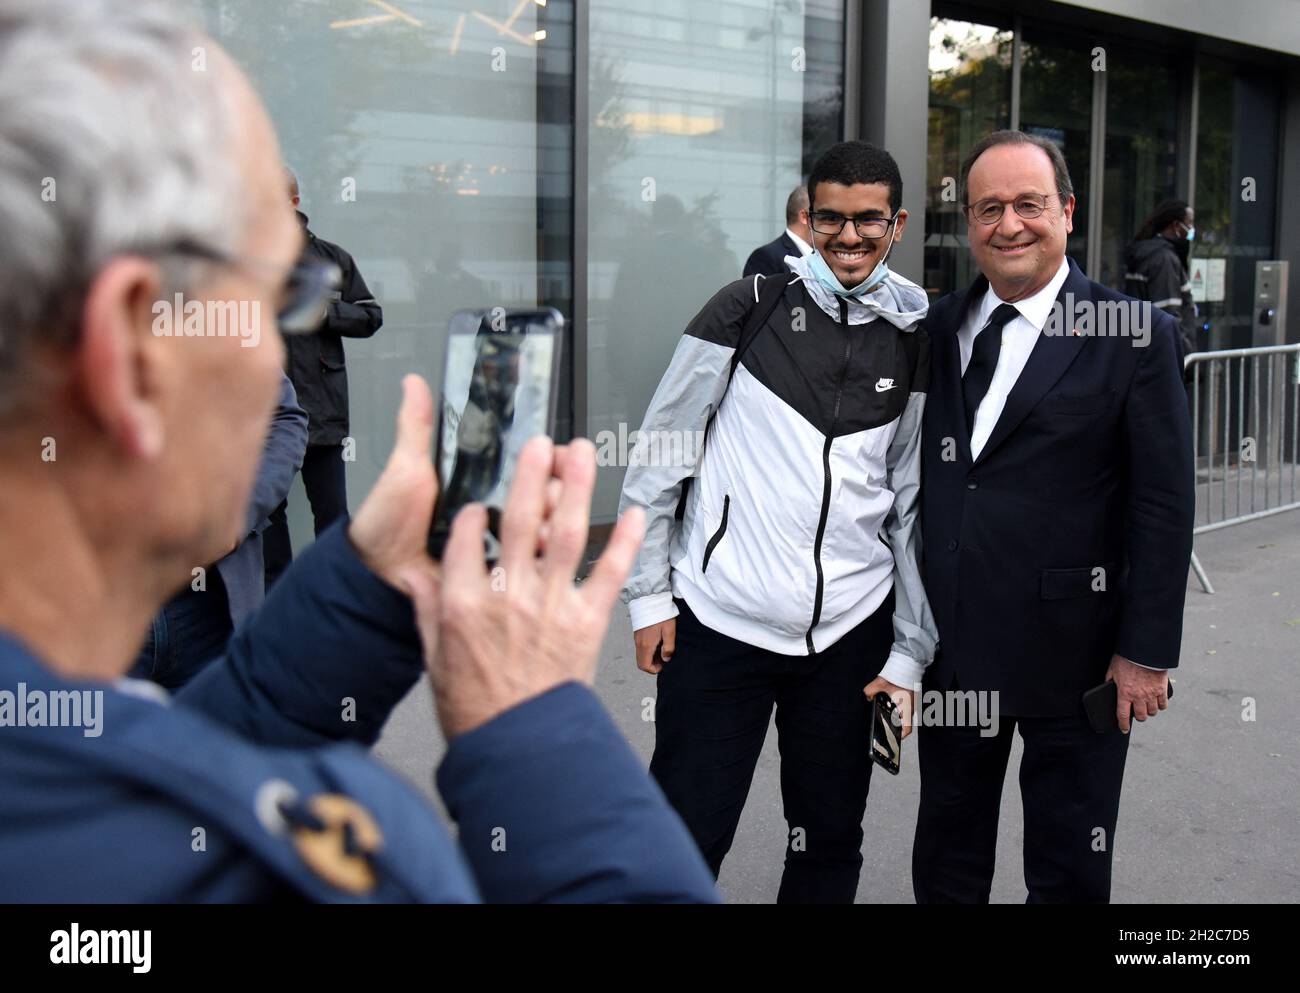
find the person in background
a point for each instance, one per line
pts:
(769, 259)
(316, 367)
(193, 627)
(1155, 267)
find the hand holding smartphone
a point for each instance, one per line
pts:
(1101, 704)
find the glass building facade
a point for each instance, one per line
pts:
(1139, 121)
(619, 159)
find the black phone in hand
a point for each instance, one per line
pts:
(1101, 704)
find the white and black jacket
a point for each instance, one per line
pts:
(803, 511)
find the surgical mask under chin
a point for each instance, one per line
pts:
(1191, 233)
(829, 280)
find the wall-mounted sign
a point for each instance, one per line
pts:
(1207, 276)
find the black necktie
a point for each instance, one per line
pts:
(983, 360)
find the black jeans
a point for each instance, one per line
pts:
(325, 481)
(715, 699)
(190, 631)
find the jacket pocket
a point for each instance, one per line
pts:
(717, 535)
(1068, 584)
(334, 384)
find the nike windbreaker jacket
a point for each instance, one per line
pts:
(803, 511)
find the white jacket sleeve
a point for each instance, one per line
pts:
(915, 632)
(671, 442)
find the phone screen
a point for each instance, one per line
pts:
(499, 385)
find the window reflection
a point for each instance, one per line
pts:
(1141, 151)
(1236, 140)
(1056, 103)
(702, 121)
(970, 95)
(433, 140)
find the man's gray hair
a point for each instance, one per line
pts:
(795, 202)
(1059, 169)
(116, 125)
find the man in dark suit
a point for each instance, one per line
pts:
(1057, 508)
(769, 259)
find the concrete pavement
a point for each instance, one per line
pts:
(1211, 799)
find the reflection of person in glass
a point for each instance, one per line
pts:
(484, 422)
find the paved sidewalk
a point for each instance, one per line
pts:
(1210, 804)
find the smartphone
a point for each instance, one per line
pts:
(1102, 702)
(500, 383)
(886, 735)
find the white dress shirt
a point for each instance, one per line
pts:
(1019, 335)
(804, 247)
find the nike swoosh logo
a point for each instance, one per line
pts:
(881, 387)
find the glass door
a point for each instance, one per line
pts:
(970, 95)
(1056, 94)
(1141, 153)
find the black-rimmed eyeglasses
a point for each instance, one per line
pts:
(871, 228)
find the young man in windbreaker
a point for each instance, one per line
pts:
(790, 577)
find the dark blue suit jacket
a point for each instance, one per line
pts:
(1068, 540)
(769, 259)
(208, 796)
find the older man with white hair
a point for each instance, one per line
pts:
(134, 173)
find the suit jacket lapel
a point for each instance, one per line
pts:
(1051, 356)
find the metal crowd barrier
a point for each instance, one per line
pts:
(1246, 434)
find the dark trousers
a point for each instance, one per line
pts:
(325, 481)
(715, 699)
(189, 632)
(1070, 780)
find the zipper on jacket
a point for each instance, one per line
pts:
(826, 472)
(717, 537)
